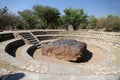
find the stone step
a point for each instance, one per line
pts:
(24, 34)
(29, 38)
(33, 40)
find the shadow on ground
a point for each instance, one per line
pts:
(16, 76)
(87, 56)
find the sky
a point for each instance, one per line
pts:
(98, 8)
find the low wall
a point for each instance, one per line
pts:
(6, 36)
(46, 32)
(41, 38)
(31, 50)
(12, 47)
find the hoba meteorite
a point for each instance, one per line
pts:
(65, 49)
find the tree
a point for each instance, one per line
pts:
(4, 10)
(74, 17)
(109, 23)
(48, 16)
(11, 21)
(3, 14)
(28, 18)
(62, 22)
(92, 22)
(8, 20)
(113, 23)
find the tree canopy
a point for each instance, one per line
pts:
(41, 17)
(92, 22)
(29, 18)
(109, 23)
(74, 17)
(45, 17)
(8, 20)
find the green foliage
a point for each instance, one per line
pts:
(28, 18)
(3, 15)
(45, 17)
(8, 20)
(109, 23)
(40, 17)
(92, 22)
(48, 16)
(62, 22)
(4, 10)
(74, 17)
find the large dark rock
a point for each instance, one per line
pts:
(67, 49)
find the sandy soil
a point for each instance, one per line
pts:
(98, 55)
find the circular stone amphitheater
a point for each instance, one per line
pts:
(21, 59)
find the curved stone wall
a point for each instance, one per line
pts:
(13, 46)
(6, 36)
(31, 50)
(43, 32)
(48, 37)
